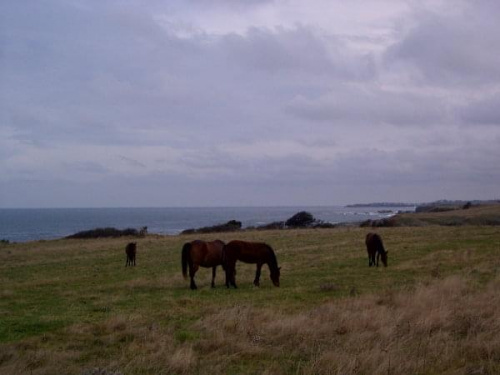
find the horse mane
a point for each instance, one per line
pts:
(382, 249)
(381, 246)
(273, 262)
(375, 240)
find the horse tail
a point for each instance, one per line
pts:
(186, 249)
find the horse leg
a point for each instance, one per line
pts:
(371, 258)
(257, 275)
(233, 278)
(192, 271)
(213, 276)
(378, 257)
(230, 268)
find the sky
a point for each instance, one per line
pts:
(129, 103)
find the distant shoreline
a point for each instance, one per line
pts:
(21, 225)
(383, 204)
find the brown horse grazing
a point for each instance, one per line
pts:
(200, 253)
(250, 252)
(130, 250)
(374, 246)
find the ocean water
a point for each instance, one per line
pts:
(20, 225)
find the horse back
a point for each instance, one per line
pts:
(206, 254)
(374, 243)
(248, 252)
(131, 248)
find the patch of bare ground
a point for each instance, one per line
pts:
(444, 326)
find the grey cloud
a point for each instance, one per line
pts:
(485, 112)
(271, 115)
(238, 4)
(456, 48)
(86, 167)
(115, 71)
(132, 162)
(298, 50)
(361, 106)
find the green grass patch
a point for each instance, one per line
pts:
(93, 308)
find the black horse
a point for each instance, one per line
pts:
(250, 252)
(374, 245)
(130, 250)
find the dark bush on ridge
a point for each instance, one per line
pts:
(273, 225)
(435, 208)
(322, 224)
(300, 220)
(230, 226)
(467, 206)
(104, 232)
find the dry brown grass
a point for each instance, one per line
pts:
(71, 307)
(138, 347)
(442, 327)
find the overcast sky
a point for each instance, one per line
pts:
(236, 102)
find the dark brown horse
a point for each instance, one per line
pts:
(197, 254)
(374, 245)
(250, 252)
(130, 250)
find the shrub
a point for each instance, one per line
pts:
(273, 225)
(300, 220)
(104, 232)
(467, 206)
(230, 226)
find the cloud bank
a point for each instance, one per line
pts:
(239, 103)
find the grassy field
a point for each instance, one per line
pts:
(476, 215)
(72, 307)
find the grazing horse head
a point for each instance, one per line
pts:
(275, 276)
(383, 258)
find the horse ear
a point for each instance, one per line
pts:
(279, 268)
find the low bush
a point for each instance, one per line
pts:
(301, 219)
(104, 232)
(230, 226)
(273, 225)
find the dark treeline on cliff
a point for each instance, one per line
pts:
(302, 219)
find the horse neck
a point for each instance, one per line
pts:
(272, 262)
(381, 249)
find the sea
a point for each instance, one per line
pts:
(22, 225)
